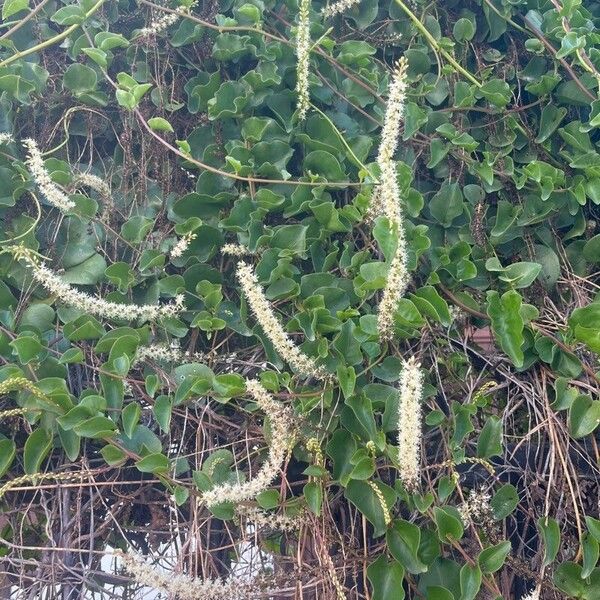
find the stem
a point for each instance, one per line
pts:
(57, 38)
(434, 44)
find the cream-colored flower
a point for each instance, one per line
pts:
(35, 164)
(6, 138)
(272, 327)
(93, 305)
(235, 250)
(281, 436)
(269, 520)
(182, 244)
(396, 284)
(185, 587)
(303, 58)
(476, 509)
(389, 193)
(409, 423)
(387, 201)
(161, 353)
(387, 517)
(94, 182)
(338, 7)
(533, 594)
(163, 22)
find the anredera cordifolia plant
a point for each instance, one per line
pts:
(325, 272)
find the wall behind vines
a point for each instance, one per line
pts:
(299, 299)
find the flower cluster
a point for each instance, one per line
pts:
(281, 428)
(272, 327)
(397, 281)
(160, 353)
(184, 586)
(93, 182)
(269, 520)
(303, 58)
(477, 508)
(163, 22)
(37, 477)
(409, 423)
(6, 138)
(340, 594)
(394, 114)
(388, 200)
(235, 250)
(97, 306)
(532, 595)
(182, 244)
(13, 412)
(338, 7)
(387, 517)
(50, 191)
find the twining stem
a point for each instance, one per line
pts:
(53, 40)
(434, 44)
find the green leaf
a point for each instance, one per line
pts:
(37, 447)
(98, 56)
(591, 552)
(313, 494)
(229, 385)
(69, 15)
(567, 578)
(504, 501)
(72, 356)
(95, 428)
(106, 40)
(162, 412)
(591, 250)
(593, 526)
(341, 449)
(11, 7)
(130, 417)
(80, 79)
(347, 379)
(160, 124)
(550, 533)
(121, 274)
(153, 463)
(113, 456)
(447, 204)
(496, 92)
(507, 323)
(585, 323)
(26, 348)
(584, 416)
(550, 120)
(448, 523)
(364, 498)
(403, 540)
(470, 582)
(290, 238)
(464, 30)
(136, 229)
(490, 439)
(491, 559)
(521, 274)
(386, 577)
(268, 499)
(435, 592)
(181, 495)
(7, 455)
(70, 442)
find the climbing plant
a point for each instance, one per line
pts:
(319, 278)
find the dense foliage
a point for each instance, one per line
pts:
(118, 424)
